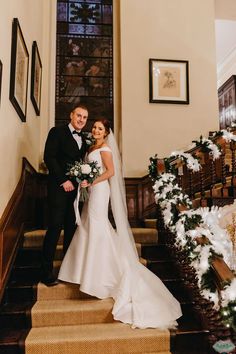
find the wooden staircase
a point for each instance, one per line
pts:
(17, 316)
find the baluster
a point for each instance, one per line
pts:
(190, 183)
(233, 160)
(233, 168)
(223, 173)
(213, 172)
(213, 175)
(202, 178)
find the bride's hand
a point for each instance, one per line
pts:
(84, 184)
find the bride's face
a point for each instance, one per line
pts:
(98, 131)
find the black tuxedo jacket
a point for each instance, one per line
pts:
(61, 149)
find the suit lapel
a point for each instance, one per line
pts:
(75, 145)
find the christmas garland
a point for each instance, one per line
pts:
(189, 225)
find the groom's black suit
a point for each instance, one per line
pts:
(61, 149)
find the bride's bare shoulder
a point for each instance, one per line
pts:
(105, 148)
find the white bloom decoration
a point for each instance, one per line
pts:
(168, 194)
(86, 169)
(192, 163)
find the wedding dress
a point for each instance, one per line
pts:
(105, 263)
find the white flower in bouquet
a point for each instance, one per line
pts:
(82, 171)
(86, 169)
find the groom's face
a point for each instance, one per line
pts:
(79, 118)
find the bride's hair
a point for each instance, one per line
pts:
(106, 124)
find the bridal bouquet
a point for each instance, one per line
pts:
(84, 171)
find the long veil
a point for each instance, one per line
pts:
(127, 248)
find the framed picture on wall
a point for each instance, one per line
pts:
(0, 79)
(168, 81)
(19, 71)
(36, 78)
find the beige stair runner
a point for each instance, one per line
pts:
(67, 321)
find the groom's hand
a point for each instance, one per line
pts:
(68, 186)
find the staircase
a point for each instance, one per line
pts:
(64, 320)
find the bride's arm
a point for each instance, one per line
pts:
(109, 169)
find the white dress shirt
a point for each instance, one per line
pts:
(77, 138)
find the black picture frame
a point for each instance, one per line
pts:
(0, 79)
(168, 81)
(36, 78)
(19, 71)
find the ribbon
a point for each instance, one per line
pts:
(76, 207)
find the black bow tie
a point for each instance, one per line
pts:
(78, 133)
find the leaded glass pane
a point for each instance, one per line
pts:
(85, 13)
(62, 11)
(84, 66)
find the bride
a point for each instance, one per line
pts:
(104, 261)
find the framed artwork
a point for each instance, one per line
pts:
(169, 81)
(0, 79)
(36, 78)
(19, 71)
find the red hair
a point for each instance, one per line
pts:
(106, 124)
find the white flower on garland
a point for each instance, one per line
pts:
(168, 194)
(218, 236)
(229, 293)
(201, 263)
(228, 136)
(192, 163)
(215, 152)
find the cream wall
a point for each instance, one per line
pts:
(165, 29)
(225, 14)
(24, 139)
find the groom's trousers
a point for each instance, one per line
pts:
(60, 215)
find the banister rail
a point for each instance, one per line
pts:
(207, 175)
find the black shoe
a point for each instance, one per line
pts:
(50, 281)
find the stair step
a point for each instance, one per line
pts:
(33, 271)
(163, 269)
(62, 291)
(71, 312)
(191, 342)
(16, 315)
(19, 292)
(151, 223)
(97, 338)
(177, 288)
(10, 339)
(145, 235)
(34, 238)
(32, 256)
(155, 252)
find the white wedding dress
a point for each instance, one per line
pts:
(105, 267)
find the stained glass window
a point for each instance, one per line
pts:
(84, 63)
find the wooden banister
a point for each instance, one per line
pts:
(13, 220)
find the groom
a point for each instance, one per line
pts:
(65, 145)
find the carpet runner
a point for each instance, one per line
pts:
(66, 321)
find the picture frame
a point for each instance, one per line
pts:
(168, 81)
(0, 79)
(36, 78)
(19, 71)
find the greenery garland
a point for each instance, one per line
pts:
(169, 195)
